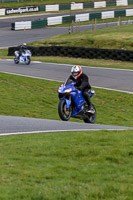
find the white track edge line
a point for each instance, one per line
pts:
(55, 131)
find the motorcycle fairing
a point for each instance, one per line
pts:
(77, 97)
(78, 101)
(22, 59)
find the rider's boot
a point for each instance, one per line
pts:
(90, 109)
(88, 101)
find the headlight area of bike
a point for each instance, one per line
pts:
(64, 93)
(68, 90)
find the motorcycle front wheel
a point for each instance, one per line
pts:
(27, 61)
(64, 113)
(16, 61)
(91, 118)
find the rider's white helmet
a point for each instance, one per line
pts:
(76, 71)
(24, 44)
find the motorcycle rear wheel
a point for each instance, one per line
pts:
(64, 113)
(90, 118)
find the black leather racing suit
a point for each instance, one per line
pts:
(22, 48)
(82, 83)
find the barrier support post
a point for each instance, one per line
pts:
(95, 25)
(119, 23)
(79, 25)
(72, 26)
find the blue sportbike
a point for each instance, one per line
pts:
(72, 104)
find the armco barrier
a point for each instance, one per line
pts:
(79, 52)
(60, 7)
(40, 23)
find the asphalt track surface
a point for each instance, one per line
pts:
(22, 125)
(107, 78)
(114, 79)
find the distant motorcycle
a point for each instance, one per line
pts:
(24, 58)
(72, 104)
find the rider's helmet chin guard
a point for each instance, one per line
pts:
(76, 71)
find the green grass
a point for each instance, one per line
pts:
(68, 166)
(39, 2)
(28, 97)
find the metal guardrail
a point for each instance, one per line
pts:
(70, 18)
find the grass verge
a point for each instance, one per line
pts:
(74, 165)
(38, 2)
(109, 38)
(30, 97)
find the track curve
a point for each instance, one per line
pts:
(21, 125)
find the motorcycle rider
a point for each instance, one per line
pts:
(82, 83)
(22, 48)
